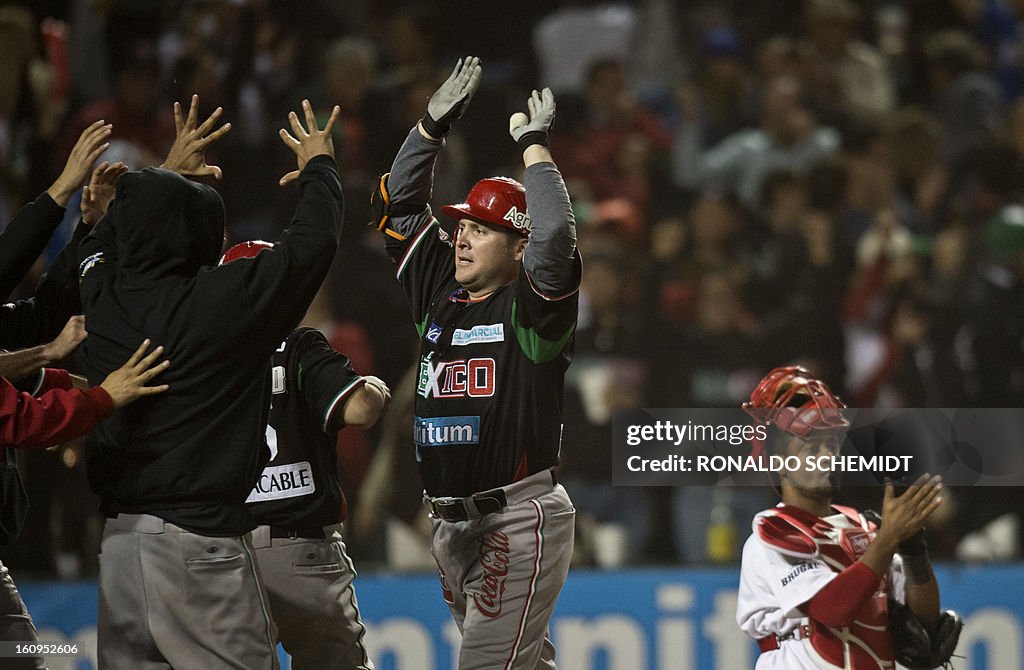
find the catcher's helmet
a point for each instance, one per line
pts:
(247, 249)
(498, 201)
(795, 401)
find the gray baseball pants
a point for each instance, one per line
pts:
(173, 599)
(501, 575)
(310, 590)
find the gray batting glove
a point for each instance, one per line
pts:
(534, 130)
(451, 99)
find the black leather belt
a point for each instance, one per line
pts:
(457, 509)
(460, 509)
(295, 533)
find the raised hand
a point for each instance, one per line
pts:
(91, 143)
(97, 196)
(128, 383)
(449, 101)
(307, 142)
(534, 129)
(187, 154)
(904, 516)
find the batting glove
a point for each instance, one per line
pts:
(534, 130)
(451, 99)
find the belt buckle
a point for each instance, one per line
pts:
(449, 509)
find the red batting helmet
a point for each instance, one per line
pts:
(244, 250)
(499, 201)
(795, 401)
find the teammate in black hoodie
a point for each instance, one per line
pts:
(177, 581)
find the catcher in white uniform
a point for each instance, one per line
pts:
(825, 586)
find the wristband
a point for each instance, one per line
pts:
(434, 128)
(532, 137)
(918, 569)
(913, 546)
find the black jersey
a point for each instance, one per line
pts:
(488, 400)
(310, 383)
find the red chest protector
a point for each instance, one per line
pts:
(838, 540)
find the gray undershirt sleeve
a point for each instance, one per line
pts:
(549, 257)
(412, 181)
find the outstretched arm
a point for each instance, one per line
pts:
(281, 282)
(411, 178)
(18, 364)
(421, 252)
(26, 235)
(549, 260)
(64, 414)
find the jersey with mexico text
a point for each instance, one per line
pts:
(310, 381)
(489, 394)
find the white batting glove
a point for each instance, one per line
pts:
(534, 130)
(451, 99)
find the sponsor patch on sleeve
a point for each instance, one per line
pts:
(89, 262)
(433, 333)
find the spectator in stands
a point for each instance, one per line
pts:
(789, 137)
(845, 75)
(608, 373)
(965, 98)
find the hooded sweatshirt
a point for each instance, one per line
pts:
(149, 269)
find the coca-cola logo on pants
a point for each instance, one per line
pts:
(494, 560)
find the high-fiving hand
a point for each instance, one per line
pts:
(449, 101)
(187, 154)
(97, 196)
(93, 141)
(307, 145)
(534, 129)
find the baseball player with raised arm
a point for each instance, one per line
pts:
(821, 585)
(178, 584)
(495, 309)
(298, 502)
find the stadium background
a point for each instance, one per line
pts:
(825, 181)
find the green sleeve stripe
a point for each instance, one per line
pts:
(343, 393)
(537, 348)
(421, 327)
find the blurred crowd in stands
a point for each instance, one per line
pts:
(831, 182)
